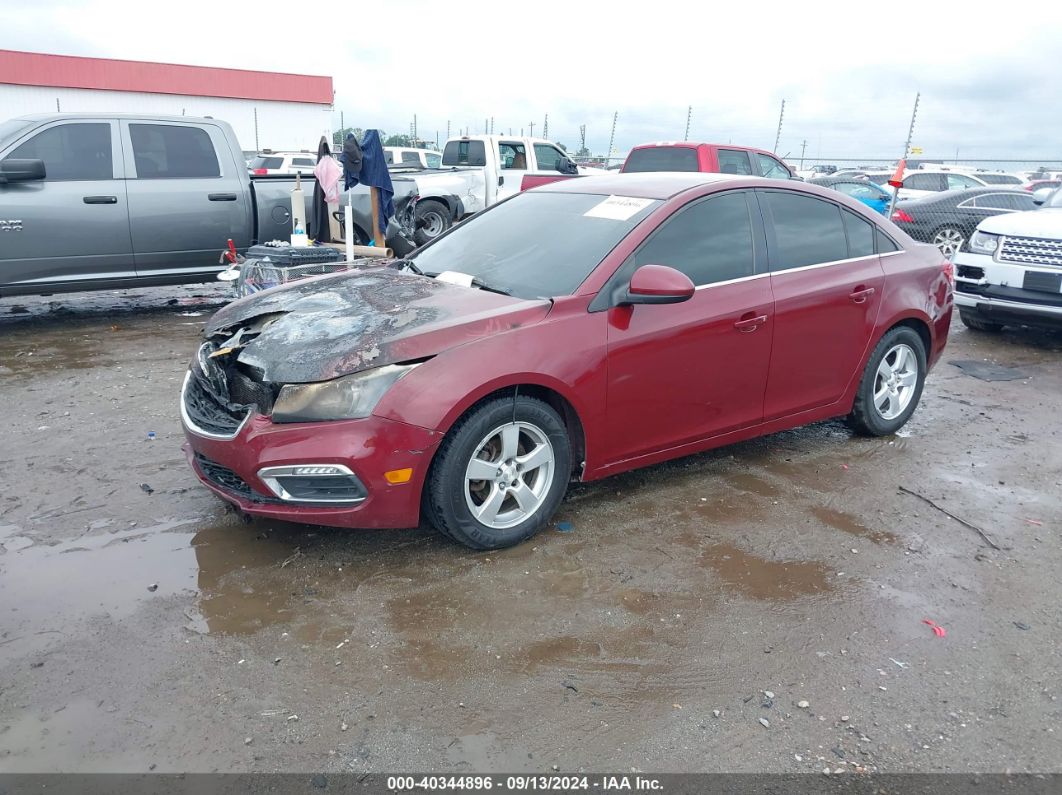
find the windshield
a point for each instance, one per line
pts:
(536, 244)
(10, 130)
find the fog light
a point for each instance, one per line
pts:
(315, 483)
(399, 475)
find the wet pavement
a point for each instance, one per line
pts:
(153, 628)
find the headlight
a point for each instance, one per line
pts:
(984, 243)
(348, 398)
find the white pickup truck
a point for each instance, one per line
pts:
(481, 170)
(1011, 273)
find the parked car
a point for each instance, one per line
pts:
(873, 196)
(999, 178)
(817, 171)
(100, 201)
(1011, 273)
(269, 162)
(948, 219)
(575, 331)
(879, 176)
(1038, 184)
(711, 158)
(924, 182)
(408, 156)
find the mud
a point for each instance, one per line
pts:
(789, 564)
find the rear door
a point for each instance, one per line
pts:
(186, 197)
(678, 373)
(735, 161)
(74, 224)
(512, 165)
(827, 283)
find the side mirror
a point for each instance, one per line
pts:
(658, 284)
(1041, 195)
(566, 166)
(12, 170)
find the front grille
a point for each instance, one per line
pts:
(204, 411)
(1032, 251)
(245, 391)
(225, 478)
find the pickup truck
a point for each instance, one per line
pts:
(481, 170)
(713, 158)
(104, 201)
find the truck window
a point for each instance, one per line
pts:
(411, 157)
(771, 168)
(734, 161)
(464, 153)
(169, 151)
(662, 158)
(512, 154)
(434, 160)
(71, 151)
(548, 157)
(267, 162)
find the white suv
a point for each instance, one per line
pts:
(1012, 272)
(269, 162)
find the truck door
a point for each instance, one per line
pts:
(74, 224)
(186, 196)
(512, 165)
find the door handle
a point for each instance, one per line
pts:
(501, 181)
(747, 324)
(222, 197)
(861, 294)
(100, 200)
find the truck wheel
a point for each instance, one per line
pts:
(891, 385)
(432, 219)
(500, 473)
(971, 320)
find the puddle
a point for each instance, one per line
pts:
(765, 580)
(847, 523)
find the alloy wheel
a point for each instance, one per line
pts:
(895, 381)
(949, 241)
(509, 475)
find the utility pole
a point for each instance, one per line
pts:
(582, 137)
(485, 128)
(803, 147)
(778, 135)
(492, 125)
(447, 128)
(910, 131)
(612, 137)
(545, 127)
(414, 129)
(689, 115)
(531, 126)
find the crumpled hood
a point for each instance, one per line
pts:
(326, 327)
(1045, 222)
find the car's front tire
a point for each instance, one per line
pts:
(500, 473)
(971, 320)
(891, 385)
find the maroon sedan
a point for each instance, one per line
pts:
(571, 332)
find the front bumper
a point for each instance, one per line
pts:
(369, 448)
(984, 287)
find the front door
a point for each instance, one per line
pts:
(74, 224)
(682, 372)
(186, 200)
(512, 165)
(827, 283)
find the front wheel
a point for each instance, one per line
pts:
(891, 385)
(950, 240)
(500, 474)
(432, 219)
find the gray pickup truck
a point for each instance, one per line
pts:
(104, 201)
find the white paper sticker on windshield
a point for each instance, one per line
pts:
(455, 277)
(617, 208)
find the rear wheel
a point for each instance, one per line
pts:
(971, 320)
(950, 240)
(433, 218)
(500, 474)
(891, 385)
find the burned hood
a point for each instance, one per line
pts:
(323, 328)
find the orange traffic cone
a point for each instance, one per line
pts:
(897, 178)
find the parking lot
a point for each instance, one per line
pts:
(146, 626)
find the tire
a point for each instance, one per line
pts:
(506, 514)
(972, 321)
(949, 239)
(880, 410)
(432, 219)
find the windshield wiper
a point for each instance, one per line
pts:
(490, 288)
(409, 265)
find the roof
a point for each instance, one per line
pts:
(642, 185)
(103, 74)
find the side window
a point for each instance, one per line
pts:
(434, 160)
(168, 151)
(71, 152)
(411, 157)
(303, 161)
(734, 161)
(548, 157)
(1005, 201)
(769, 167)
(884, 242)
(860, 234)
(710, 241)
(857, 191)
(924, 182)
(465, 153)
(807, 231)
(513, 155)
(959, 182)
(389, 156)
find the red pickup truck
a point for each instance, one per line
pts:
(691, 156)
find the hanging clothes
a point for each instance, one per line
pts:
(375, 174)
(351, 160)
(325, 192)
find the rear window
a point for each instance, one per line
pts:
(662, 158)
(267, 162)
(464, 153)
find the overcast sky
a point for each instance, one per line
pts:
(989, 77)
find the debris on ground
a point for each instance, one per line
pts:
(765, 723)
(716, 713)
(564, 527)
(570, 686)
(144, 487)
(153, 587)
(803, 704)
(958, 519)
(248, 740)
(987, 371)
(900, 664)
(938, 630)
(1021, 625)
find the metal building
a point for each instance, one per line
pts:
(268, 110)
